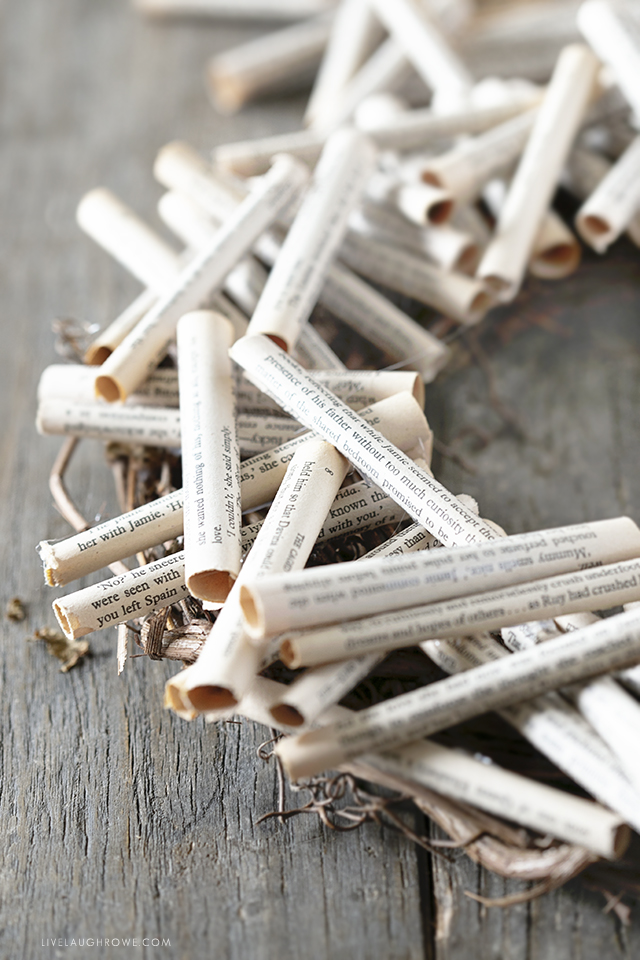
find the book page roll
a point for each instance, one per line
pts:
(584, 171)
(602, 647)
(424, 499)
(459, 297)
(210, 455)
(559, 116)
(334, 593)
(270, 63)
(614, 34)
(399, 419)
(554, 596)
(354, 34)
(139, 353)
(614, 203)
(313, 238)
(228, 662)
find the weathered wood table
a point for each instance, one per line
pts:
(117, 819)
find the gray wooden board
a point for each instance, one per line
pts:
(117, 819)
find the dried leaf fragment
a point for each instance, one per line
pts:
(15, 610)
(69, 651)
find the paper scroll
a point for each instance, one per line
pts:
(300, 269)
(228, 663)
(559, 116)
(382, 462)
(122, 598)
(335, 594)
(462, 298)
(614, 34)
(569, 593)
(614, 203)
(140, 352)
(268, 63)
(210, 456)
(575, 656)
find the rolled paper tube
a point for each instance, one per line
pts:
(454, 774)
(210, 456)
(387, 69)
(615, 202)
(462, 298)
(246, 282)
(139, 353)
(319, 689)
(250, 158)
(425, 46)
(553, 596)
(420, 129)
(314, 237)
(153, 426)
(334, 593)
(554, 727)
(357, 507)
(584, 172)
(423, 498)
(420, 203)
(556, 251)
(559, 116)
(122, 598)
(614, 34)
(349, 298)
(354, 34)
(249, 9)
(465, 168)
(448, 247)
(602, 647)
(398, 418)
(74, 382)
(118, 230)
(228, 662)
(108, 339)
(268, 63)
(381, 322)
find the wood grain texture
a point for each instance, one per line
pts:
(119, 820)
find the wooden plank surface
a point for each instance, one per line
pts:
(119, 820)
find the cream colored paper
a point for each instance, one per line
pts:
(154, 426)
(133, 360)
(420, 129)
(462, 298)
(447, 246)
(334, 593)
(122, 598)
(465, 168)
(108, 339)
(117, 229)
(228, 662)
(614, 34)
(382, 462)
(353, 36)
(452, 773)
(584, 172)
(552, 726)
(572, 86)
(267, 64)
(383, 323)
(602, 647)
(615, 202)
(399, 419)
(420, 203)
(313, 238)
(425, 46)
(316, 690)
(210, 455)
(351, 299)
(74, 382)
(615, 583)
